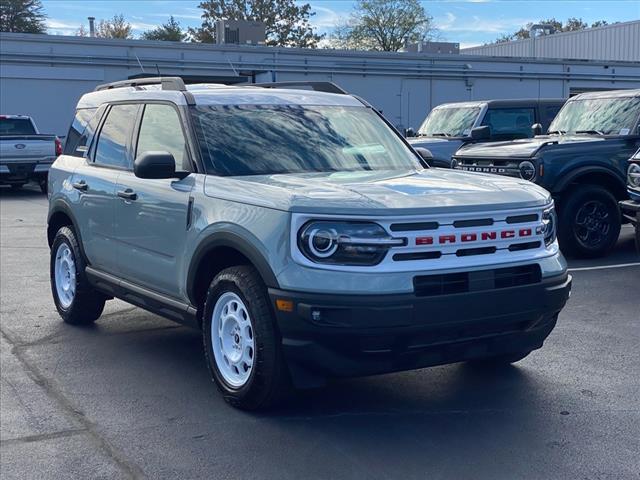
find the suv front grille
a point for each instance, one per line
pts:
(457, 240)
(508, 166)
(476, 281)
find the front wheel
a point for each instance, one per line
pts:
(589, 222)
(76, 301)
(241, 342)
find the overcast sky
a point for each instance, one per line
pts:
(469, 22)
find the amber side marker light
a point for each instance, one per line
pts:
(284, 305)
(541, 170)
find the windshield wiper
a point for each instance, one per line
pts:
(556, 132)
(441, 134)
(590, 132)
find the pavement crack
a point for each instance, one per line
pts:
(129, 468)
(44, 436)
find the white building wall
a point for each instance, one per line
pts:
(44, 76)
(617, 42)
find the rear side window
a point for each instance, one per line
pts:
(161, 130)
(76, 136)
(16, 126)
(111, 150)
(510, 123)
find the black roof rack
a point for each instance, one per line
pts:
(167, 83)
(328, 87)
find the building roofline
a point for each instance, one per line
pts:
(66, 39)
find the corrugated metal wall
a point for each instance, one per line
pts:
(619, 42)
(44, 76)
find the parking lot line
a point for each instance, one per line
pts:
(604, 267)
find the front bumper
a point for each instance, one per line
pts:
(354, 335)
(631, 211)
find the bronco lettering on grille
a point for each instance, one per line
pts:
(473, 237)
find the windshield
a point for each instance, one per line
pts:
(270, 139)
(16, 126)
(606, 116)
(450, 122)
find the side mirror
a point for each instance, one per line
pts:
(536, 128)
(481, 133)
(155, 165)
(409, 132)
(426, 155)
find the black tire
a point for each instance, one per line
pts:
(499, 360)
(43, 185)
(87, 304)
(16, 186)
(638, 238)
(589, 222)
(268, 380)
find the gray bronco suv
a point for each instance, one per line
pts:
(299, 231)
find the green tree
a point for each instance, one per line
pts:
(170, 32)
(384, 25)
(116, 27)
(22, 16)
(287, 23)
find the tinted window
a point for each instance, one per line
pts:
(75, 136)
(112, 142)
(269, 139)
(551, 113)
(16, 126)
(161, 130)
(510, 123)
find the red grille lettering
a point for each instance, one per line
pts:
(488, 235)
(507, 234)
(525, 232)
(469, 237)
(447, 239)
(424, 241)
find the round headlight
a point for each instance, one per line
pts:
(633, 175)
(345, 242)
(527, 170)
(323, 243)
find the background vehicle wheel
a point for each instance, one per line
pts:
(16, 186)
(241, 342)
(76, 301)
(589, 222)
(500, 359)
(43, 186)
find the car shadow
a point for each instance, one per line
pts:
(29, 190)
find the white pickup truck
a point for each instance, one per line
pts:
(25, 154)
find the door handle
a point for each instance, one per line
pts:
(81, 185)
(128, 194)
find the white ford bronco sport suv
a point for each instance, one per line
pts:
(299, 231)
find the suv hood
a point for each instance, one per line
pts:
(380, 193)
(524, 148)
(441, 148)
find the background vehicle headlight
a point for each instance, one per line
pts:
(345, 243)
(527, 170)
(633, 175)
(549, 225)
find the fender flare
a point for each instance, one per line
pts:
(561, 185)
(236, 241)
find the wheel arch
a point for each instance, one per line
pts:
(218, 251)
(60, 215)
(594, 175)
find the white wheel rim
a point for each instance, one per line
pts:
(65, 275)
(232, 339)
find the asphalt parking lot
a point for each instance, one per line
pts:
(130, 397)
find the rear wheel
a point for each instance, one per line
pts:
(76, 301)
(42, 183)
(241, 343)
(589, 222)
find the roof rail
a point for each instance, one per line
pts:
(328, 87)
(167, 83)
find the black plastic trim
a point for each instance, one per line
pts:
(155, 302)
